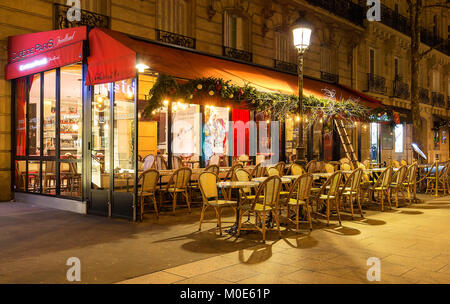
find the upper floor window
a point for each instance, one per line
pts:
(435, 26)
(174, 16)
(284, 50)
(236, 31)
(326, 60)
(436, 81)
(396, 68)
(372, 61)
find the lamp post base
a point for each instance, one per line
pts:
(300, 159)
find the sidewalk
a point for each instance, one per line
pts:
(413, 244)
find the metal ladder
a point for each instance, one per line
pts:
(345, 140)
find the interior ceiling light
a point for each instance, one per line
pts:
(141, 67)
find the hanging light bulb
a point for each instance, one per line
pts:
(321, 120)
(166, 102)
(297, 118)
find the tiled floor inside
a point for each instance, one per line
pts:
(411, 242)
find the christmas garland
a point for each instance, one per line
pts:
(276, 106)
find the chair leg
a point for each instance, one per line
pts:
(396, 198)
(174, 202)
(358, 199)
(388, 192)
(239, 224)
(218, 219)
(263, 224)
(328, 212)
(382, 200)
(277, 221)
(155, 205)
(187, 200)
(142, 208)
(337, 210)
(351, 205)
(297, 211)
(202, 214)
(309, 216)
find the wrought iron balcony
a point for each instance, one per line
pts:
(87, 18)
(176, 39)
(400, 89)
(424, 96)
(285, 66)
(448, 102)
(342, 8)
(395, 20)
(432, 40)
(329, 77)
(438, 99)
(376, 84)
(237, 54)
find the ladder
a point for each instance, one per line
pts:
(345, 140)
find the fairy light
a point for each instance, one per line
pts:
(297, 118)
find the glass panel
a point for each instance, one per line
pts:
(100, 137)
(398, 131)
(186, 130)
(71, 112)
(34, 115)
(50, 113)
(49, 177)
(216, 132)
(20, 178)
(70, 175)
(290, 142)
(21, 111)
(124, 141)
(33, 176)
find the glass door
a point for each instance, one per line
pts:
(113, 163)
(99, 200)
(374, 142)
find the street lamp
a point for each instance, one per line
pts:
(302, 38)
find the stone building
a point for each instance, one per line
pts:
(370, 57)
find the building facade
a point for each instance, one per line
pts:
(371, 57)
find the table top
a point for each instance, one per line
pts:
(237, 184)
(321, 174)
(284, 180)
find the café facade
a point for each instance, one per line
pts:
(79, 128)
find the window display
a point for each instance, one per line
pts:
(215, 131)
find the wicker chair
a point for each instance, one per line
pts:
(208, 187)
(246, 193)
(331, 197)
(149, 183)
(213, 168)
(149, 162)
(410, 181)
(178, 184)
(265, 201)
(177, 162)
(280, 167)
(382, 186)
(296, 169)
(397, 184)
(259, 171)
(352, 189)
(298, 197)
(160, 163)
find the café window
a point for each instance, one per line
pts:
(216, 132)
(186, 130)
(49, 140)
(398, 133)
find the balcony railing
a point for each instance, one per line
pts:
(400, 89)
(438, 99)
(342, 8)
(329, 77)
(424, 96)
(401, 23)
(376, 84)
(285, 66)
(87, 18)
(176, 39)
(237, 54)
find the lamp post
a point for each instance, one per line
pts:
(302, 38)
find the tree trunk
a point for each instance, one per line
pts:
(415, 11)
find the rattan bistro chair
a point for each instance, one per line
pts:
(397, 184)
(149, 183)
(352, 190)
(178, 184)
(273, 171)
(410, 182)
(212, 168)
(258, 171)
(382, 186)
(296, 169)
(298, 197)
(266, 201)
(331, 198)
(242, 175)
(208, 187)
(280, 167)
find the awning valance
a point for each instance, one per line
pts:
(111, 60)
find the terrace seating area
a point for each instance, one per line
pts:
(266, 197)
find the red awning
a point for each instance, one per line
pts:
(111, 54)
(37, 52)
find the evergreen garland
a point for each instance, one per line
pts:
(275, 105)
